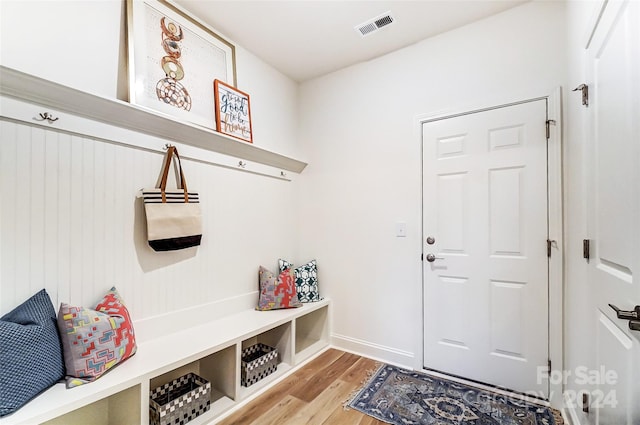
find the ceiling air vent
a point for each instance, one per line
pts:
(374, 24)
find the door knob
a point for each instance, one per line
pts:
(431, 258)
(633, 316)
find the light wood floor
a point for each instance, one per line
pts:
(313, 395)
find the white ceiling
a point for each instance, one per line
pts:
(307, 38)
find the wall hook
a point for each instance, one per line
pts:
(283, 174)
(585, 93)
(48, 117)
(242, 164)
(167, 146)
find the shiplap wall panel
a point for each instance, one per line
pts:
(71, 222)
(51, 266)
(22, 201)
(60, 154)
(36, 206)
(9, 186)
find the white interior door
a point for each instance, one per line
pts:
(614, 206)
(485, 206)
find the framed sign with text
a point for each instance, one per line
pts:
(233, 113)
(173, 58)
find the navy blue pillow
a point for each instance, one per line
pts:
(30, 352)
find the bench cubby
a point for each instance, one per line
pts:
(279, 338)
(121, 408)
(311, 333)
(218, 368)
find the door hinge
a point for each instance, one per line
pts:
(549, 366)
(585, 249)
(548, 124)
(549, 248)
(585, 93)
(585, 402)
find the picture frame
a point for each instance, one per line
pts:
(233, 111)
(173, 59)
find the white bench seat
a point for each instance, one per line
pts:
(297, 333)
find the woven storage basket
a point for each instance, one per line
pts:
(180, 400)
(258, 361)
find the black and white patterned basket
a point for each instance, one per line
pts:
(258, 361)
(179, 401)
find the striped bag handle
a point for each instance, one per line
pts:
(182, 183)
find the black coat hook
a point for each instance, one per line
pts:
(48, 117)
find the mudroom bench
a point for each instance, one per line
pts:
(206, 340)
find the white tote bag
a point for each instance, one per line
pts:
(174, 220)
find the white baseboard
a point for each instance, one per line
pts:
(373, 351)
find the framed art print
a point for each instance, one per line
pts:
(173, 58)
(233, 113)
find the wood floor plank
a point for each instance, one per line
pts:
(254, 409)
(281, 412)
(320, 408)
(340, 415)
(324, 359)
(291, 383)
(301, 378)
(360, 371)
(313, 395)
(324, 379)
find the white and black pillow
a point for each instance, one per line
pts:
(306, 277)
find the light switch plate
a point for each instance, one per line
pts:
(401, 229)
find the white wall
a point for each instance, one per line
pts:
(358, 129)
(358, 132)
(69, 219)
(75, 43)
(82, 44)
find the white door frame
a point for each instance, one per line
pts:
(555, 223)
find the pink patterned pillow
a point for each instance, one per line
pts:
(94, 341)
(277, 292)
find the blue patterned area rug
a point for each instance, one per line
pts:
(403, 397)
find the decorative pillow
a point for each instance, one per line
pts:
(94, 341)
(30, 352)
(277, 292)
(306, 280)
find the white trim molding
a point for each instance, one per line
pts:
(373, 351)
(555, 216)
(556, 232)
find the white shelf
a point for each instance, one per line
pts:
(122, 114)
(219, 404)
